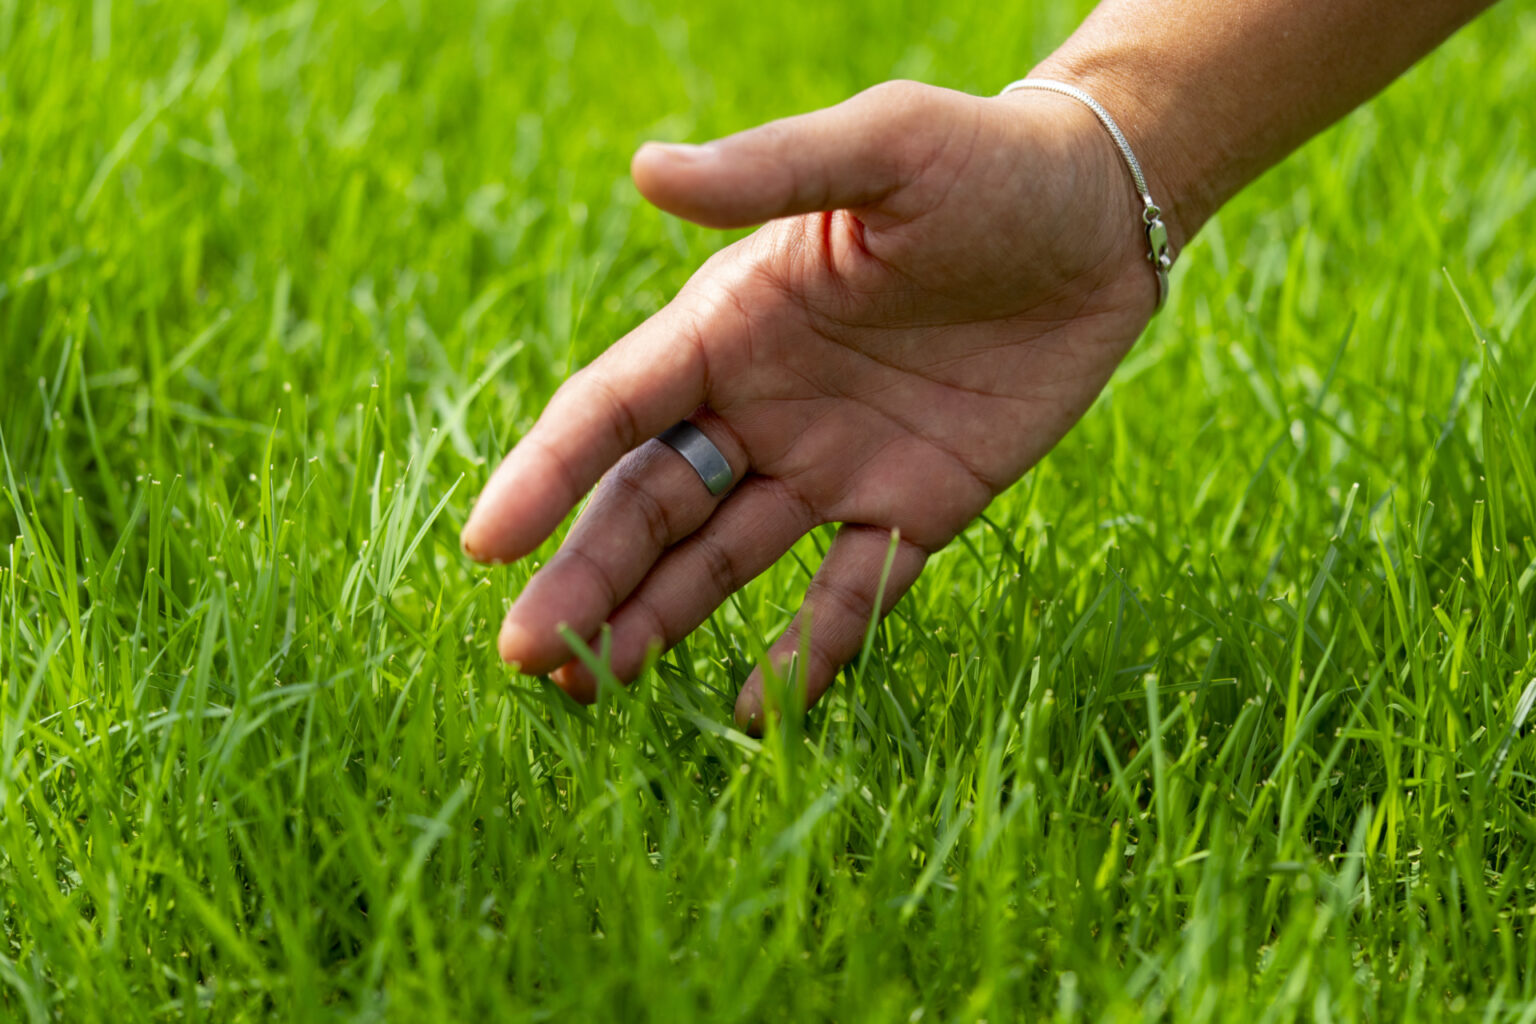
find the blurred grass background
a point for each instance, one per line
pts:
(1216, 712)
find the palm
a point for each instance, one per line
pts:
(892, 368)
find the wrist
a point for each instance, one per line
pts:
(1182, 177)
(1105, 205)
(1159, 252)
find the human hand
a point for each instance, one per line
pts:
(945, 284)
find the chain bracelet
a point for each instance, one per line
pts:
(1159, 253)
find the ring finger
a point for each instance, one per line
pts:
(654, 498)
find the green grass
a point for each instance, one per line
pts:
(1214, 714)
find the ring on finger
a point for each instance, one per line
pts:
(700, 452)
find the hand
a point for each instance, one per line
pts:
(945, 285)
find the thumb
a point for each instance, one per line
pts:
(851, 155)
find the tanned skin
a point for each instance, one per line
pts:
(942, 285)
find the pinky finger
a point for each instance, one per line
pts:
(839, 607)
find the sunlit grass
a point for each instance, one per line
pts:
(1218, 712)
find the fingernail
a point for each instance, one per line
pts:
(473, 551)
(470, 541)
(678, 151)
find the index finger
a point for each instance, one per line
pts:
(646, 382)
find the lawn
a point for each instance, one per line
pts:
(1216, 714)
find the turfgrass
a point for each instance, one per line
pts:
(1217, 713)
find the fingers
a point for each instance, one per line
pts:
(754, 526)
(848, 156)
(838, 609)
(639, 387)
(650, 501)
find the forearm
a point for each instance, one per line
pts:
(1211, 93)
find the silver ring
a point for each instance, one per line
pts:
(689, 442)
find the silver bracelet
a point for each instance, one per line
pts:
(1159, 253)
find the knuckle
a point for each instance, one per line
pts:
(905, 109)
(718, 565)
(839, 598)
(559, 463)
(594, 571)
(909, 120)
(899, 94)
(650, 626)
(618, 417)
(586, 396)
(658, 524)
(565, 392)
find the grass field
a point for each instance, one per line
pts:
(1216, 713)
